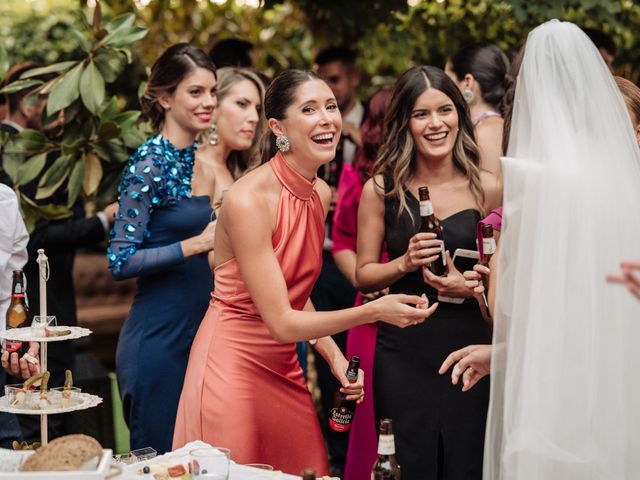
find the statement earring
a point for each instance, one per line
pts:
(213, 134)
(283, 144)
(468, 95)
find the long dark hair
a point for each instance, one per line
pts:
(175, 63)
(278, 97)
(489, 66)
(397, 158)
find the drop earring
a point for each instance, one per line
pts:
(213, 134)
(283, 144)
(468, 95)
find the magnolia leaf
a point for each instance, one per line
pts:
(85, 45)
(92, 174)
(65, 92)
(111, 110)
(110, 62)
(56, 171)
(50, 85)
(5, 63)
(54, 212)
(11, 162)
(31, 168)
(108, 130)
(120, 23)
(20, 85)
(125, 37)
(126, 120)
(92, 88)
(75, 182)
(56, 67)
(29, 140)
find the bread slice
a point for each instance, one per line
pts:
(63, 454)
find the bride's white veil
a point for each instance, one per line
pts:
(565, 380)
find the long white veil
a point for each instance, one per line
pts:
(565, 380)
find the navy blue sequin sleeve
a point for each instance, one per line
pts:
(156, 175)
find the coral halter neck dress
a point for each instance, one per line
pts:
(243, 390)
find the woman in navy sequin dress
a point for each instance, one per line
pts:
(162, 235)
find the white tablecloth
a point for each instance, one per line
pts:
(237, 472)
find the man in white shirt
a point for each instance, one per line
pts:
(13, 256)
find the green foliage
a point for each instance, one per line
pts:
(98, 136)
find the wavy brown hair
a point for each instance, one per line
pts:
(397, 158)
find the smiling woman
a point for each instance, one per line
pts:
(438, 430)
(244, 387)
(162, 234)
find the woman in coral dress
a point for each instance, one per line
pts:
(244, 388)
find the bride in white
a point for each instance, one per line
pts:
(565, 384)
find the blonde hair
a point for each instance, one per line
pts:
(239, 162)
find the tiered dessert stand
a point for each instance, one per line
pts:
(78, 401)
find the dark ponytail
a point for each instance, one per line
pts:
(175, 63)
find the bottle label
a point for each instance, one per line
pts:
(443, 254)
(340, 420)
(17, 295)
(426, 208)
(386, 445)
(489, 246)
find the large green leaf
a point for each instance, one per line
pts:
(92, 174)
(126, 37)
(56, 67)
(75, 182)
(82, 40)
(31, 168)
(120, 23)
(92, 88)
(53, 176)
(29, 140)
(126, 120)
(65, 92)
(12, 158)
(55, 212)
(5, 63)
(20, 85)
(110, 62)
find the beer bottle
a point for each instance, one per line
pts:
(308, 474)
(386, 467)
(430, 224)
(17, 314)
(488, 244)
(343, 410)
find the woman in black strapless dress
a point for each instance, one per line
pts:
(439, 430)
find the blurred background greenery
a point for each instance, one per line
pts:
(390, 35)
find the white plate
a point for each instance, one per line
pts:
(24, 334)
(86, 400)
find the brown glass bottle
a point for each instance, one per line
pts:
(488, 244)
(308, 474)
(430, 224)
(17, 314)
(386, 467)
(343, 410)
